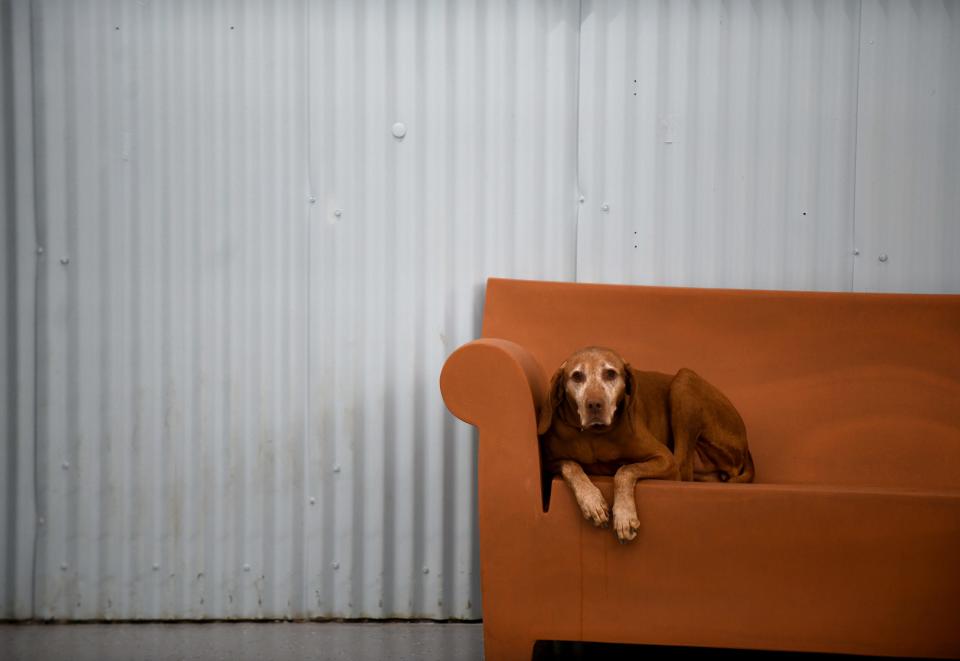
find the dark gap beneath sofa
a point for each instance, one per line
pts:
(554, 650)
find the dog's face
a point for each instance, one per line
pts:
(588, 389)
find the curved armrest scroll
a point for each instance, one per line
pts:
(489, 381)
(498, 386)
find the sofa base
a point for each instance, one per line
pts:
(756, 566)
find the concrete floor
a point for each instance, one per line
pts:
(236, 641)
(318, 641)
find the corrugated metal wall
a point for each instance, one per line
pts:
(718, 143)
(908, 147)
(482, 182)
(775, 145)
(17, 302)
(172, 309)
(249, 281)
(249, 285)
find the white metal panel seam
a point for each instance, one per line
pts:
(581, 200)
(311, 212)
(30, 150)
(856, 146)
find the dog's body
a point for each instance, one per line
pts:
(605, 418)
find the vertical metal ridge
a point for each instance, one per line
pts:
(64, 290)
(204, 378)
(42, 568)
(359, 292)
(225, 574)
(231, 232)
(415, 344)
(692, 220)
(173, 561)
(19, 514)
(106, 273)
(238, 230)
(509, 156)
(856, 145)
(9, 341)
(747, 230)
(321, 309)
(269, 426)
(388, 328)
(161, 499)
(301, 592)
(100, 260)
(661, 77)
(458, 115)
(242, 436)
(37, 218)
(136, 473)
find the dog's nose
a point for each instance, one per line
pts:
(594, 406)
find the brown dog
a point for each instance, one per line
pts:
(606, 418)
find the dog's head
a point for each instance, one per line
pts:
(588, 391)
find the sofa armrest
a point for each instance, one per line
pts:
(485, 379)
(498, 386)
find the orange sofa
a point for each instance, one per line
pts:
(849, 539)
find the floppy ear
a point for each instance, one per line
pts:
(628, 380)
(628, 389)
(554, 399)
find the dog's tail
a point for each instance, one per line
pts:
(746, 470)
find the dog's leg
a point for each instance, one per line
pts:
(685, 420)
(592, 503)
(684, 446)
(659, 466)
(702, 417)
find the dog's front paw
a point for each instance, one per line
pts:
(594, 507)
(625, 523)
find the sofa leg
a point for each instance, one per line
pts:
(507, 648)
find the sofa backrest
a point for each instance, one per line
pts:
(835, 388)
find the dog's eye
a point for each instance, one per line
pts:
(609, 375)
(577, 377)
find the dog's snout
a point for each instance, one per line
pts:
(594, 406)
